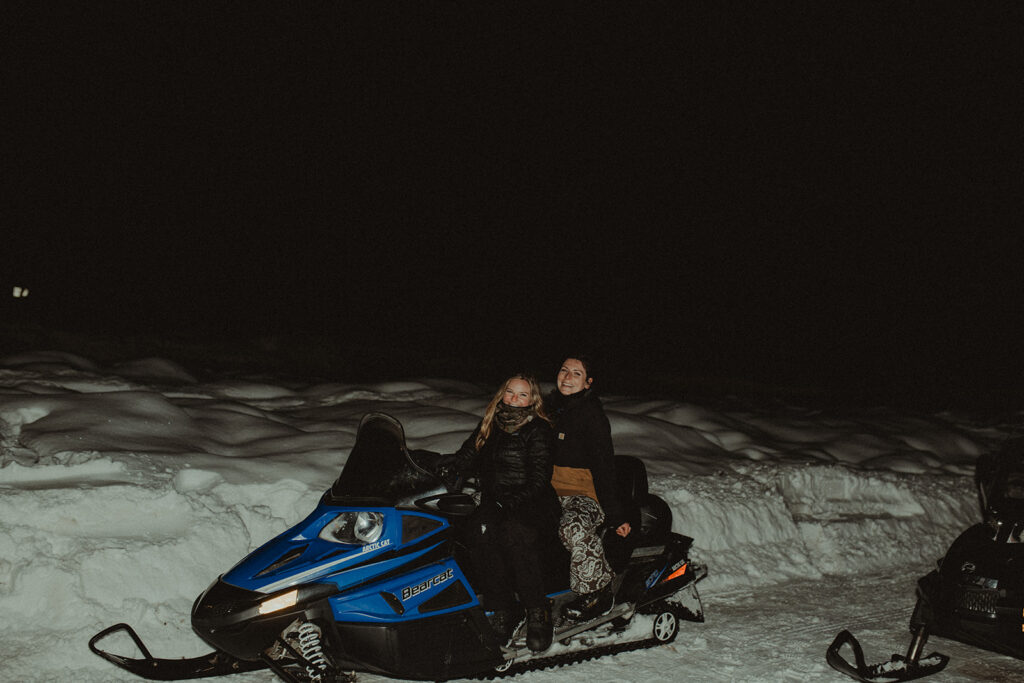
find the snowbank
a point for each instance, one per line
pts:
(125, 491)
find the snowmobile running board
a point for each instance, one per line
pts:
(898, 668)
(156, 669)
(520, 650)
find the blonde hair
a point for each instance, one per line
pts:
(536, 402)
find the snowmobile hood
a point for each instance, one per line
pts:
(976, 560)
(337, 544)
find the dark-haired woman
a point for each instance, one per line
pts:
(510, 452)
(584, 479)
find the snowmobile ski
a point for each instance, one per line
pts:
(157, 669)
(899, 667)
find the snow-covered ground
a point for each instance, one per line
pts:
(125, 490)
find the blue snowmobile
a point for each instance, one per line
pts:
(976, 593)
(378, 579)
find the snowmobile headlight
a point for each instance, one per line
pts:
(280, 602)
(354, 528)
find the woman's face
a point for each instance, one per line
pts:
(572, 378)
(517, 393)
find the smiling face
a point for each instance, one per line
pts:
(572, 378)
(517, 393)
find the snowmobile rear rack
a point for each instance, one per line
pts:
(899, 667)
(156, 669)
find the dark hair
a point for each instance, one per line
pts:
(585, 359)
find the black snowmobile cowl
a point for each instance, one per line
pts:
(241, 622)
(976, 593)
(379, 578)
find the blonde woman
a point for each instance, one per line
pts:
(510, 452)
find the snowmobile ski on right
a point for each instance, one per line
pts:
(976, 594)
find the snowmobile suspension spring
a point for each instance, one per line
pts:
(312, 649)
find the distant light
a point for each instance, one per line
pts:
(20, 292)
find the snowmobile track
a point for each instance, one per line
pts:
(575, 657)
(569, 658)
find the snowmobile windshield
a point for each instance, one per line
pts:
(379, 471)
(1000, 479)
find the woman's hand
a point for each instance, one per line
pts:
(624, 529)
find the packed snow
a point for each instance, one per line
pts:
(126, 489)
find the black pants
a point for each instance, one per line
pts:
(506, 555)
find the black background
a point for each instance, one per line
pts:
(818, 197)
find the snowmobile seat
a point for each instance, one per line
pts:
(648, 515)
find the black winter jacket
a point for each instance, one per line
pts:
(583, 439)
(514, 471)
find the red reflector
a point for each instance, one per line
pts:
(677, 573)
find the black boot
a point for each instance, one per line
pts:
(502, 622)
(590, 605)
(538, 628)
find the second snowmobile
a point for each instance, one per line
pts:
(376, 579)
(976, 593)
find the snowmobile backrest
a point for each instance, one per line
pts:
(631, 478)
(650, 516)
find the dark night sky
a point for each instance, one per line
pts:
(812, 194)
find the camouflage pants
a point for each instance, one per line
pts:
(588, 569)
